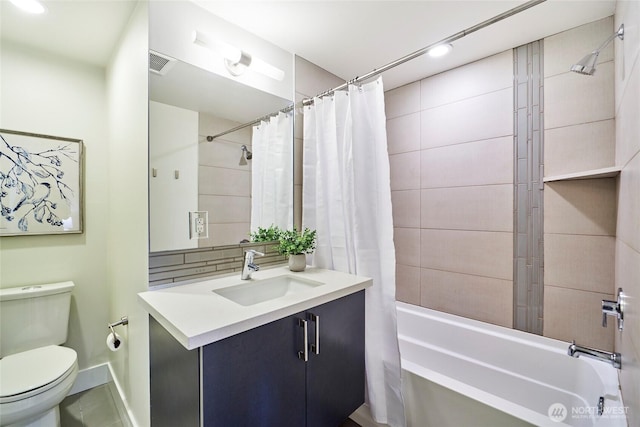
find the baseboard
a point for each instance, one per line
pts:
(90, 378)
(97, 376)
(121, 404)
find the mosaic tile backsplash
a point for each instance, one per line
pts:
(178, 266)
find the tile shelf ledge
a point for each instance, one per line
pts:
(610, 172)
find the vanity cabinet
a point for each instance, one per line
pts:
(261, 378)
(255, 378)
(335, 377)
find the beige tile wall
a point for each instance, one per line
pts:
(627, 266)
(453, 225)
(224, 185)
(579, 216)
(450, 142)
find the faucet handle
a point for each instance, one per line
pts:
(620, 309)
(254, 252)
(614, 308)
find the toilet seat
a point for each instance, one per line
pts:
(26, 374)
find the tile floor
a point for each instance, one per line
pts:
(96, 408)
(91, 408)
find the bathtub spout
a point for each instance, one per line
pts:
(577, 350)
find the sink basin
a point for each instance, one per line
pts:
(257, 291)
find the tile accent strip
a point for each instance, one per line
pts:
(528, 132)
(178, 266)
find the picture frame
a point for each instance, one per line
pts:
(41, 179)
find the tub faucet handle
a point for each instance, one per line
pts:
(604, 316)
(614, 308)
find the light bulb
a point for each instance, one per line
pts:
(236, 60)
(233, 54)
(268, 70)
(29, 6)
(440, 50)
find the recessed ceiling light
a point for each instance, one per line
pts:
(440, 50)
(29, 6)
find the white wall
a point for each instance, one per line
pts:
(627, 268)
(173, 136)
(46, 94)
(127, 94)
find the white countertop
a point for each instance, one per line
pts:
(196, 316)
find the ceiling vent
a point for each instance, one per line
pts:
(160, 64)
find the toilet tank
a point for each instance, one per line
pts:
(34, 316)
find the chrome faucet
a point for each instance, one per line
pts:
(578, 350)
(249, 267)
(614, 308)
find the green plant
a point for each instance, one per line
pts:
(266, 234)
(293, 243)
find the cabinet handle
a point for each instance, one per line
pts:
(315, 347)
(304, 354)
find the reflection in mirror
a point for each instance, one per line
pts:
(191, 174)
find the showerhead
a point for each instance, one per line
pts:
(587, 65)
(247, 154)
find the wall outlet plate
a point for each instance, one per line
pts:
(198, 225)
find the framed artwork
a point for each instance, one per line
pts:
(40, 184)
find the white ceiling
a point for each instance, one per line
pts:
(348, 38)
(351, 38)
(82, 30)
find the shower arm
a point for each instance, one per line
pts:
(619, 34)
(407, 58)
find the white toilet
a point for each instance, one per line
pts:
(36, 373)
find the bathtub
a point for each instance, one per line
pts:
(460, 372)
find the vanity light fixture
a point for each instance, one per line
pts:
(29, 6)
(236, 60)
(440, 50)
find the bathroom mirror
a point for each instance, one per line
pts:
(200, 190)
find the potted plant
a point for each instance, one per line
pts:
(269, 234)
(295, 246)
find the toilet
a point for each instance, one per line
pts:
(36, 373)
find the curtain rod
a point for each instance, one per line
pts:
(251, 123)
(407, 58)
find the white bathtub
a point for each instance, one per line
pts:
(460, 372)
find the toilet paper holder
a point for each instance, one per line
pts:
(113, 339)
(124, 320)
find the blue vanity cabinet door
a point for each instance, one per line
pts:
(335, 376)
(255, 378)
(174, 380)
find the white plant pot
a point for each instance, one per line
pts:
(297, 262)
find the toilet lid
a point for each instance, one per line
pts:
(32, 369)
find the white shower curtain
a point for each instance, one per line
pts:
(272, 173)
(347, 199)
